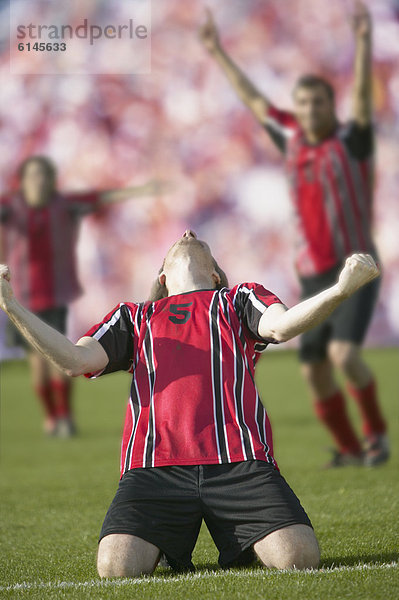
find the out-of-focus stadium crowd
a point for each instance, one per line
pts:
(184, 123)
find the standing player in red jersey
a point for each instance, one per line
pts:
(38, 236)
(329, 167)
(197, 442)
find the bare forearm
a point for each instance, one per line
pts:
(280, 324)
(244, 88)
(50, 343)
(153, 187)
(362, 93)
(303, 316)
(115, 196)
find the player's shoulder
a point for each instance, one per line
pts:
(243, 289)
(9, 198)
(5, 202)
(5, 208)
(65, 199)
(12, 203)
(76, 195)
(124, 310)
(255, 294)
(351, 127)
(284, 118)
(79, 203)
(130, 305)
(358, 139)
(249, 286)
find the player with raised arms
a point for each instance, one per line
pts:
(38, 237)
(197, 441)
(329, 168)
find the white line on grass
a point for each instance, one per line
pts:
(262, 574)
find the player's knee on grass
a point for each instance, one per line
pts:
(122, 555)
(293, 547)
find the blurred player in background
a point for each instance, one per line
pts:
(38, 237)
(329, 166)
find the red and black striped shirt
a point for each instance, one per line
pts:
(331, 191)
(40, 247)
(192, 356)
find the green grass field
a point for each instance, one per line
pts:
(54, 495)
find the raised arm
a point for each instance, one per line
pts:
(151, 188)
(279, 324)
(245, 89)
(362, 90)
(73, 359)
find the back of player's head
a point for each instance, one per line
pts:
(310, 81)
(159, 290)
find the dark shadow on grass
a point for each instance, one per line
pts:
(255, 566)
(205, 567)
(165, 572)
(349, 561)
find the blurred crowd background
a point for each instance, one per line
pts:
(184, 123)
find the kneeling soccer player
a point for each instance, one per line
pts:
(197, 441)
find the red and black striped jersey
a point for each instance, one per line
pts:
(193, 398)
(331, 190)
(40, 247)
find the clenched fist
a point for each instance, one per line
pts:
(359, 269)
(6, 293)
(208, 33)
(361, 20)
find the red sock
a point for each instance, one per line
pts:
(332, 412)
(45, 394)
(62, 394)
(367, 401)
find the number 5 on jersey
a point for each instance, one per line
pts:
(181, 312)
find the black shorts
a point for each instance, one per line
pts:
(240, 503)
(349, 322)
(56, 317)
